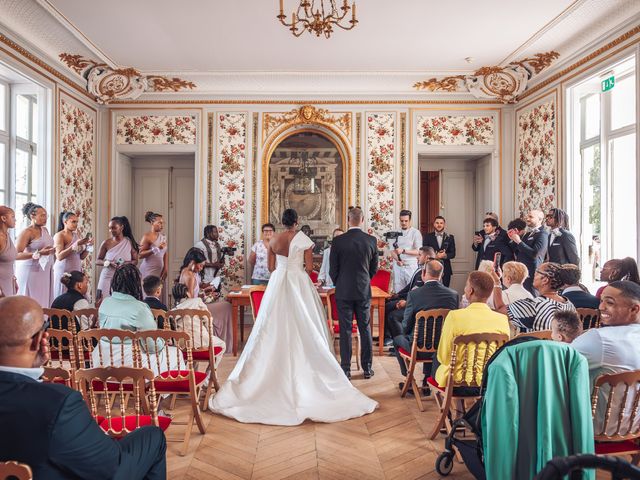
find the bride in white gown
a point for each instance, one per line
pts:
(287, 371)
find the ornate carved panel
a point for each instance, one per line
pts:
(306, 114)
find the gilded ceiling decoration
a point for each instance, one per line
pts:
(495, 83)
(108, 84)
(306, 114)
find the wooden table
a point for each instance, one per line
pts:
(239, 298)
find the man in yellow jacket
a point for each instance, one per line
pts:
(476, 318)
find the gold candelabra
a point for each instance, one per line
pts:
(314, 17)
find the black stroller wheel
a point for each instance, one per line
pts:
(444, 463)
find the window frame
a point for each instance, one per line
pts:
(5, 139)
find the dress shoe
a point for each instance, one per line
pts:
(348, 374)
(426, 391)
(388, 342)
(368, 373)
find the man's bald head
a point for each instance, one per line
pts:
(432, 270)
(20, 319)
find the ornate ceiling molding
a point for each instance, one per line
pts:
(306, 114)
(495, 83)
(108, 84)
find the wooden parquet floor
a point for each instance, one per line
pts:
(387, 444)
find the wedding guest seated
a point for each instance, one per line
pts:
(566, 326)
(74, 298)
(613, 349)
(432, 294)
(575, 292)
(184, 301)
(536, 313)
(476, 318)
(125, 310)
(514, 275)
(323, 276)
(619, 269)
(152, 286)
(47, 425)
(394, 306)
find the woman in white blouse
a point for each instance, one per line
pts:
(258, 256)
(513, 276)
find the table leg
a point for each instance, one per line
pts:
(380, 327)
(241, 324)
(234, 327)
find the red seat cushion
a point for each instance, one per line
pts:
(98, 386)
(203, 354)
(402, 351)
(612, 448)
(256, 298)
(381, 279)
(177, 385)
(432, 381)
(336, 328)
(130, 422)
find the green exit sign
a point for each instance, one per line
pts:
(608, 83)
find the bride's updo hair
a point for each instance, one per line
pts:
(289, 217)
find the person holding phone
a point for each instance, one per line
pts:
(489, 241)
(70, 250)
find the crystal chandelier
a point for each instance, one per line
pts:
(319, 17)
(304, 173)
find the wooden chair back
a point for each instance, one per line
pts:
(116, 347)
(255, 298)
(382, 280)
(590, 317)
(62, 351)
(332, 308)
(472, 352)
(539, 334)
(86, 318)
(161, 318)
(15, 471)
(164, 350)
(427, 330)
(136, 382)
(61, 319)
(197, 323)
(622, 393)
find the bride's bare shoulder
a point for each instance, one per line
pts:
(280, 242)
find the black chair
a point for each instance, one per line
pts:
(558, 468)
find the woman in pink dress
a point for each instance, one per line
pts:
(70, 250)
(8, 253)
(153, 249)
(192, 265)
(119, 249)
(35, 257)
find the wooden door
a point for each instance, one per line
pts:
(429, 199)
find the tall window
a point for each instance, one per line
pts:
(602, 168)
(4, 140)
(26, 156)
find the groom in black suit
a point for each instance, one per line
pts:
(445, 246)
(352, 264)
(48, 426)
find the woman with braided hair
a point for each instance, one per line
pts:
(618, 269)
(121, 248)
(153, 248)
(536, 313)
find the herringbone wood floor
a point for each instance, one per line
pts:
(390, 443)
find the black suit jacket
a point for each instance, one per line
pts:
(582, 299)
(532, 250)
(448, 245)
(563, 249)
(499, 244)
(352, 264)
(431, 295)
(153, 302)
(49, 427)
(416, 281)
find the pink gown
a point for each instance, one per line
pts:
(69, 264)
(153, 264)
(35, 276)
(121, 250)
(7, 268)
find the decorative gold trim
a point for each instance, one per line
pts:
(211, 139)
(358, 155)
(254, 179)
(299, 102)
(403, 160)
(285, 131)
(306, 114)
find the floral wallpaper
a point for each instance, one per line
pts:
(455, 130)
(156, 130)
(381, 133)
(231, 138)
(77, 163)
(536, 161)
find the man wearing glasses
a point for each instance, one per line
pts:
(48, 426)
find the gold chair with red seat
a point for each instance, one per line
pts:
(86, 318)
(62, 364)
(184, 380)
(590, 317)
(539, 334)
(617, 424)
(99, 381)
(334, 324)
(382, 280)
(255, 298)
(426, 336)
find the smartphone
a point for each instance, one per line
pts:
(496, 261)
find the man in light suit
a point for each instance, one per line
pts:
(352, 264)
(445, 246)
(562, 244)
(48, 426)
(431, 295)
(531, 248)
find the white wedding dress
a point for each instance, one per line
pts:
(287, 371)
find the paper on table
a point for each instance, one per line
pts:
(246, 286)
(215, 283)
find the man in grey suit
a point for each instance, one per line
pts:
(430, 296)
(352, 263)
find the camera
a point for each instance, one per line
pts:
(228, 251)
(392, 236)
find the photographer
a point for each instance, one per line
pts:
(406, 249)
(210, 246)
